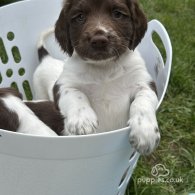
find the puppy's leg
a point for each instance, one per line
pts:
(28, 122)
(80, 118)
(144, 134)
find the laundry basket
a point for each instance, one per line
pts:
(99, 164)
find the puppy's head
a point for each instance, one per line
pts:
(100, 29)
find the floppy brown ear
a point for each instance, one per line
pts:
(139, 22)
(62, 32)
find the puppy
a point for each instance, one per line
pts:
(47, 72)
(104, 84)
(29, 117)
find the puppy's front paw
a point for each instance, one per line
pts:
(82, 121)
(144, 135)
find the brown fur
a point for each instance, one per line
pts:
(75, 27)
(9, 91)
(153, 87)
(8, 119)
(48, 114)
(44, 110)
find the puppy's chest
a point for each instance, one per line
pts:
(110, 92)
(108, 86)
(110, 100)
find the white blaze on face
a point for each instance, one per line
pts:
(102, 27)
(105, 29)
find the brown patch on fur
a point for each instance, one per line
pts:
(45, 111)
(8, 119)
(42, 53)
(10, 91)
(56, 95)
(153, 87)
(48, 114)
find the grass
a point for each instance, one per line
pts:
(5, 2)
(176, 115)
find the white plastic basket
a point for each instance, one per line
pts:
(80, 165)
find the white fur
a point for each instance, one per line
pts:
(45, 77)
(102, 27)
(28, 122)
(92, 91)
(43, 35)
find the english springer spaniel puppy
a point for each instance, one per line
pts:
(29, 117)
(104, 84)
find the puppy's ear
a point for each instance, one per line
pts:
(62, 31)
(139, 23)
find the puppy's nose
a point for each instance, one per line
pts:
(99, 41)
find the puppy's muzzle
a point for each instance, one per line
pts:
(99, 42)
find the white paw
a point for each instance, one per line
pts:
(144, 134)
(83, 121)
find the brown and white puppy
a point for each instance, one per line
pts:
(100, 29)
(36, 118)
(104, 84)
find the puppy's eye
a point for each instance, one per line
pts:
(117, 14)
(80, 18)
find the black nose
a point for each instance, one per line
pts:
(99, 41)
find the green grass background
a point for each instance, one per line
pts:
(176, 115)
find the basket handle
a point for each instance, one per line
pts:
(156, 26)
